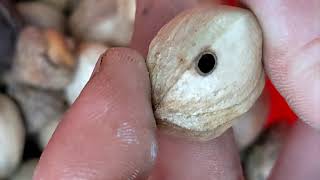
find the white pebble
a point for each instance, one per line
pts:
(12, 136)
(87, 59)
(104, 21)
(41, 15)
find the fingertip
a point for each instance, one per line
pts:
(120, 55)
(109, 132)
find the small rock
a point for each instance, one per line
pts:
(260, 158)
(88, 56)
(41, 15)
(38, 106)
(12, 136)
(43, 59)
(26, 170)
(105, 21)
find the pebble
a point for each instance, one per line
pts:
(88, 56)
(41, 15)
(43, 59)
(12, 136)
(104, 21)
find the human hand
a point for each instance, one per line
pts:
(109, 133)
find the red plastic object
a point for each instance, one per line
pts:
(232, 2)
(279, 110)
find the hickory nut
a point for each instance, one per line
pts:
(104, 21)
(206, 70)
(41, 15)
(88, 56)
(43, 59)
(12, 136)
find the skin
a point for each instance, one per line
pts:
(109, 133)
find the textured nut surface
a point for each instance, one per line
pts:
(88, 56)
(105, 21)
(11, 136)
(205, 105)
(43, 59)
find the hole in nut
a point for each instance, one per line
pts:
(206, 63)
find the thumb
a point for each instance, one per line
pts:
(292, 52)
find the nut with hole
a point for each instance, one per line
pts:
(205, 70)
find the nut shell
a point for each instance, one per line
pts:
(88, 55)
(104, 21)
(41, 15)
(197, 105)
(12, 136)
(43, 59)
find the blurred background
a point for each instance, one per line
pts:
(48, 49)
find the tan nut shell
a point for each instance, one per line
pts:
(104, 21)
(205, 106)
(43, 59)
(41, 15)
(87, 57)
(12, 136)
